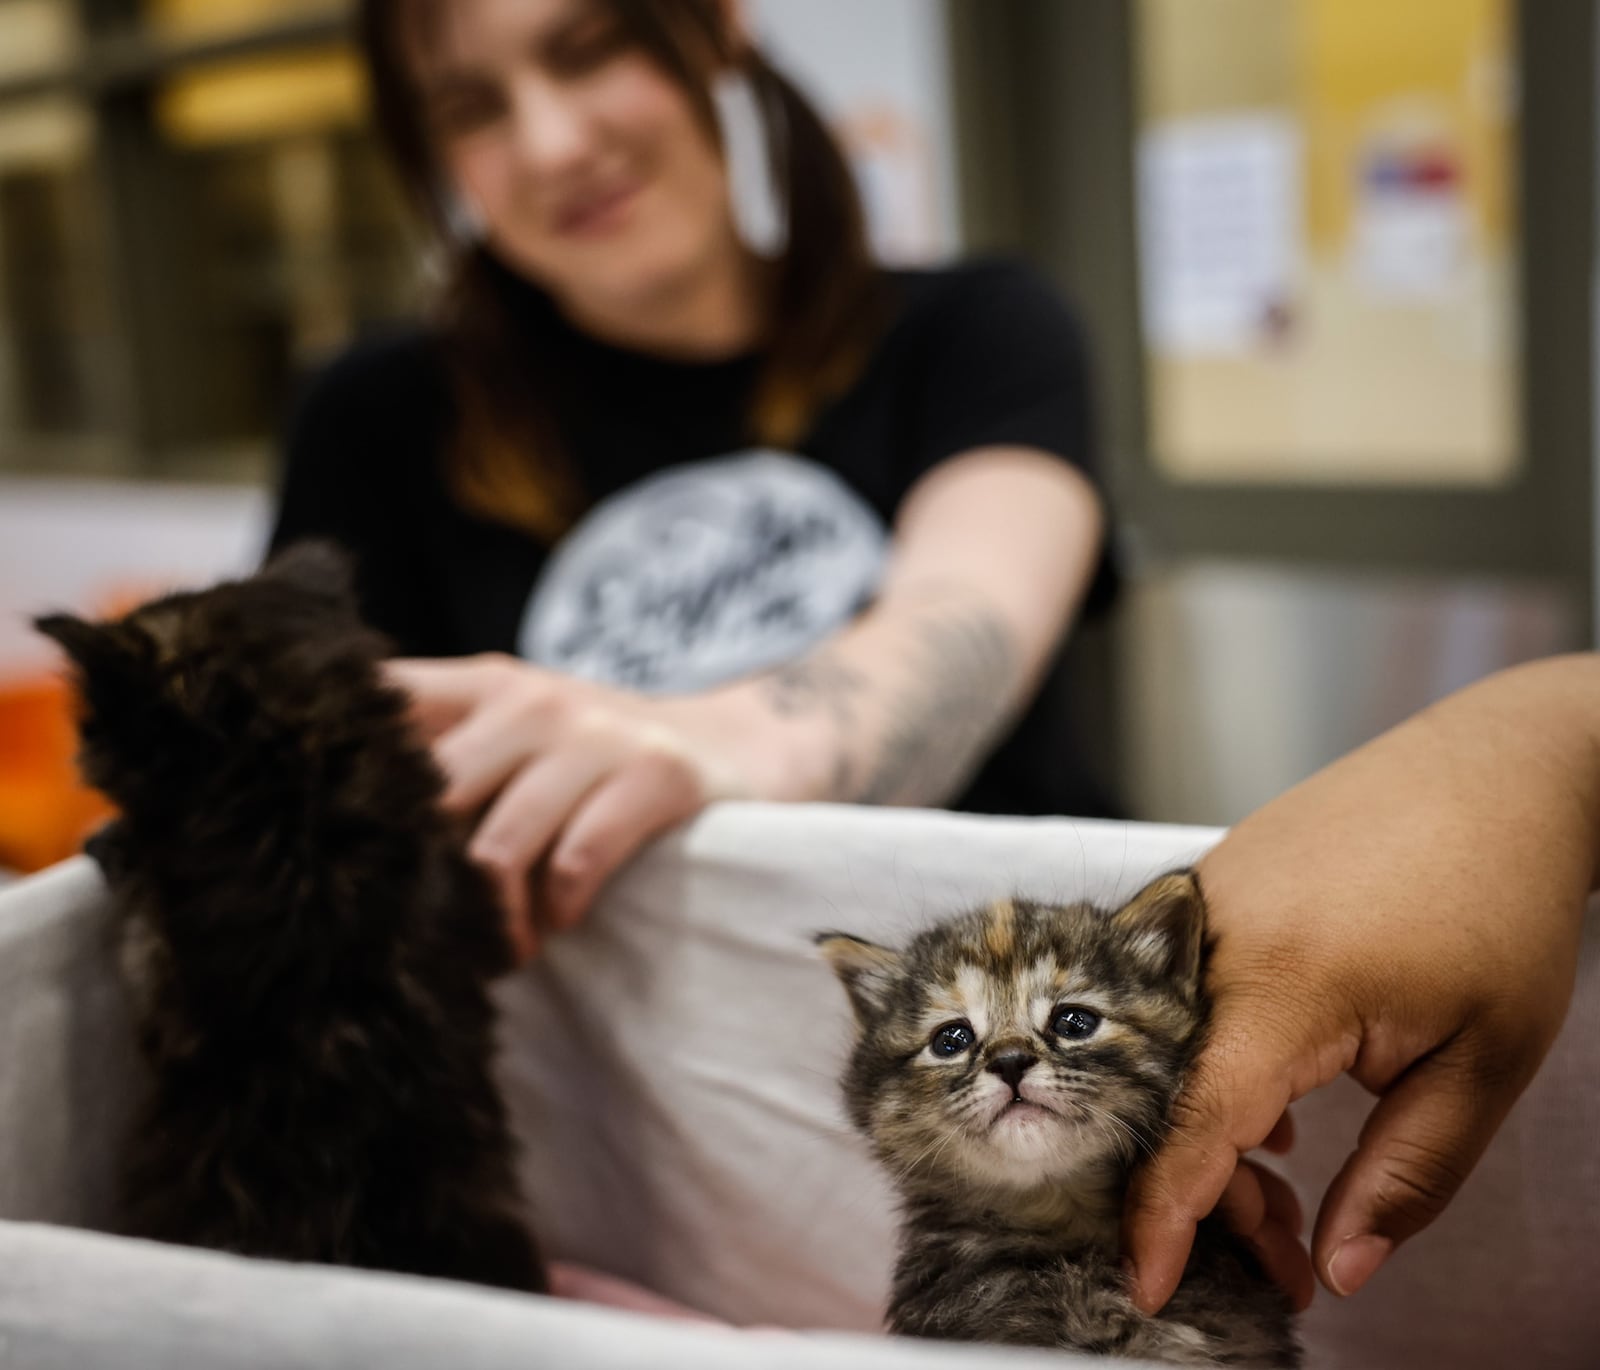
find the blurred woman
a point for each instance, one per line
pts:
(680, 497)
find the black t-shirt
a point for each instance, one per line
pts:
(701, 557)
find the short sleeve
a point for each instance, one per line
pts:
(1004, 364)
(360, 435)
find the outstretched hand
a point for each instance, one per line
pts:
(1411, 915)
(568, 778)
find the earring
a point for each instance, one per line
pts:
(463, 220)
(760, 204)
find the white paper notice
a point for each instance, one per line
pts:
(1220, 232)
(1412, 244)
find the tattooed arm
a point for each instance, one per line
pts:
(992, 552)
(916, 733)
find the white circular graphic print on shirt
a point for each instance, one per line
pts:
(704, 573)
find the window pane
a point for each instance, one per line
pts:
(36, 35)
(297, 236)
(55, 329)
(254, 230)
(211, 18)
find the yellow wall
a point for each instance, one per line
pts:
(1363, 384)
(1443, 63)
(1338, 64)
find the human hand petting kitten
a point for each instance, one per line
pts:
(570, 778)
(1410, 915)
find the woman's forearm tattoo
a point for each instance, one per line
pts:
(814, 683)
(961, 671)
(962, 683)
(821, 683)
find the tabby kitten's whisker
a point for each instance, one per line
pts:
(1120, 1125)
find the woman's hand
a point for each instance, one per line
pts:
(992, 549)
(1410, 915)
(570, 778)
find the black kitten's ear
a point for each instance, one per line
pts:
(110, 662)
(87, 644)
(1166, 921)
(317, 566)
(867, 971)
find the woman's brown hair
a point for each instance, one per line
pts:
(505, 458)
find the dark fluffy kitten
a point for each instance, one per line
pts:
(306, 945)
(1010, 1066)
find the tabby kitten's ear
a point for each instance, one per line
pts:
(867, 971)
(1167, 920)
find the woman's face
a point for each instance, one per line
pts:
(585, 163)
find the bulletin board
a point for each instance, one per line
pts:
(1328, 240)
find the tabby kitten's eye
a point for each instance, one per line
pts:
(1075, 1023)
(952, 1039)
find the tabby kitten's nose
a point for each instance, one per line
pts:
(1011, 1066)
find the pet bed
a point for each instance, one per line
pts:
(672, 1067)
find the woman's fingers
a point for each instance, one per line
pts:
(523, 820)
(1233, 1101)
(638, 801)
(523, 934)
(1418, 1145)
(1257, 1195)
(529, 718)
(1280, 1141)
(442, 692)
(575, 778)
(445, 692)
(1262, 1208)
(480, 755)
(1284, 1258)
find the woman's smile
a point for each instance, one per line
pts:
(597, 212)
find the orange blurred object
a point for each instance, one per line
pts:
(45, 810)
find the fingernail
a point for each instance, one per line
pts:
(1356, 1261)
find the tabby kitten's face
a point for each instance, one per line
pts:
(1023, 1043)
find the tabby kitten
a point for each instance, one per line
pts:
(1009, 1067)
(305, 943)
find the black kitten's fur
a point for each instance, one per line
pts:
(306, 944)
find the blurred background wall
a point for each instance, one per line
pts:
(1335, 257)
